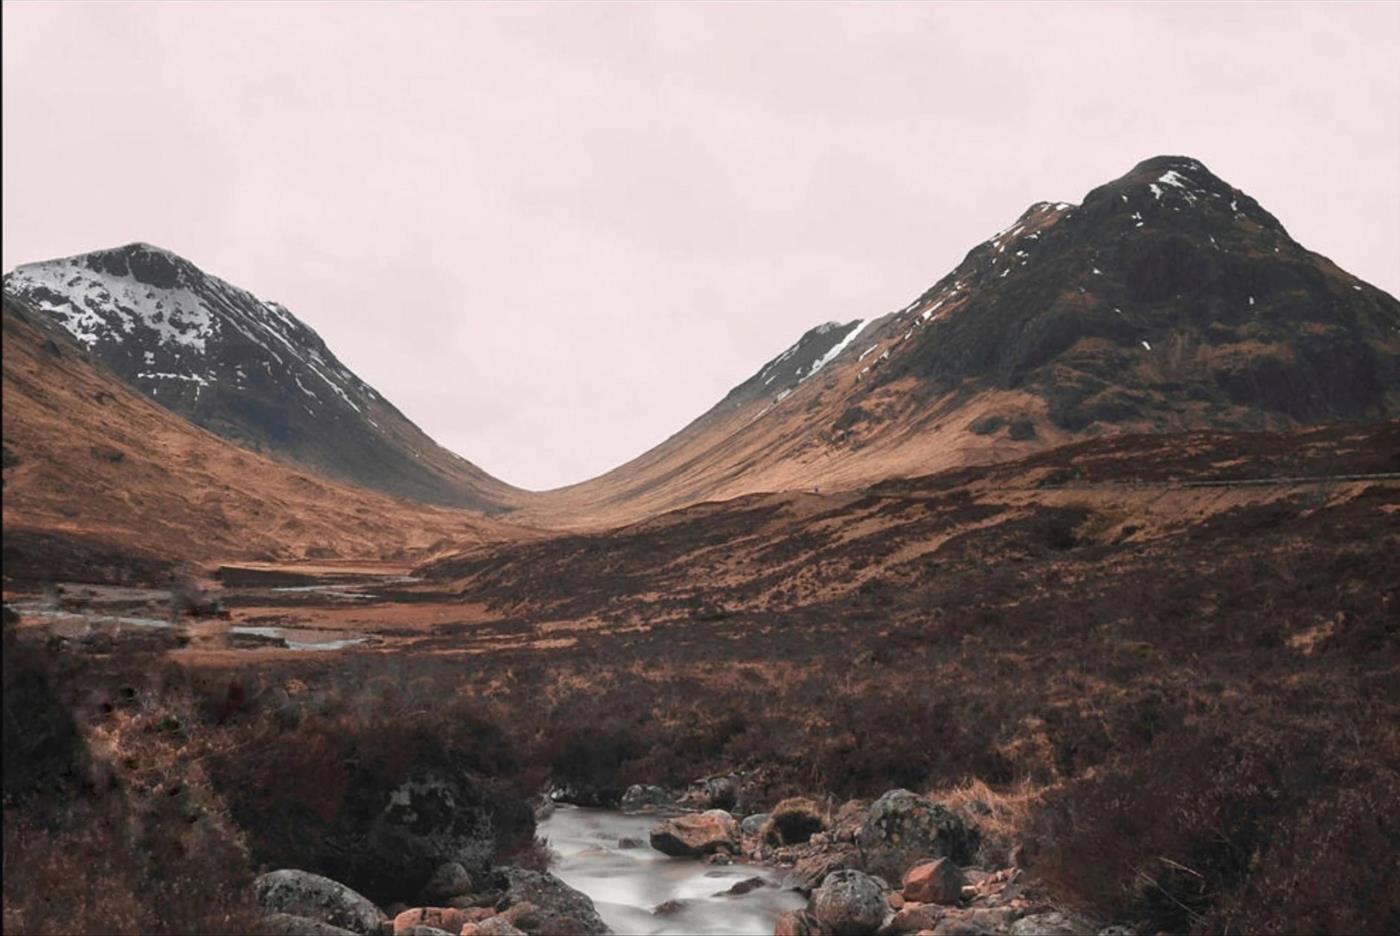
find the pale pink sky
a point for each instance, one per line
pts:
(554, 234)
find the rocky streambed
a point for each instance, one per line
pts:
(606, 854)
(901, 864)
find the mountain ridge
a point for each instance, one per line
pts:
(1167, 299)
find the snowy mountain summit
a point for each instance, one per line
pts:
(174, 330)
(242, 367)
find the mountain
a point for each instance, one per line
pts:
(102, 483)
(243, 368)
(1167, 300)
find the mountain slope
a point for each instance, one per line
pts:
(242, 368)
(92, 468)
(1168, 300)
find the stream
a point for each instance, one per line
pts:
(626, 884)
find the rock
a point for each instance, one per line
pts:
(849, 903)
(914, 918)
(743, 887)
(795, 923)
(562, 911)
(448, 881)
(668, 907)
(901, 828)
(793, 822)
(303, 894)
(641, 796)
(938, 881)
(418, 929)
(1117, 929)
(693, 835)
(287, 924)
(629, 842)
(1050, 923)
(524, 916)
(714, 793)
(493, 926)
(811, 870)
(443, 918)
(752, 825)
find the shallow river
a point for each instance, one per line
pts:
(626, 884)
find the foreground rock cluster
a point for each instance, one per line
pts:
(903, 864)
(508, 901)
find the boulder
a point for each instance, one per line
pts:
(627, 842)
(795, 923)
(557, 909)
(443, 918)
(643, 796)
(938, 881)
(849, 903)
(742, 887)
(810, 870)
(1051, 923)
(753, 825)
(901, 828)
(714, 793)
(448, 881)
(696, 834)
(524, 916)
(287, 924)
(303, 894)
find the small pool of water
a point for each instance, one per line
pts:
(75, 623)
(303, 638)
(627, 884)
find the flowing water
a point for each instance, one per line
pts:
(628, 884)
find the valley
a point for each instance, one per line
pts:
(1062, 599)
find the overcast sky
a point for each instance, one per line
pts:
(554, 234)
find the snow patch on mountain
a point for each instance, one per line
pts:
(837, 348)
(147, 308)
